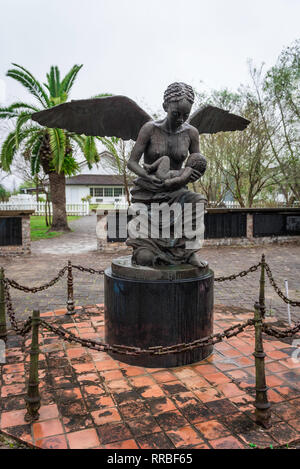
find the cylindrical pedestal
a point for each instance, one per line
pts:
(146, 313)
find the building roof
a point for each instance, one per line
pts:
(95, 179)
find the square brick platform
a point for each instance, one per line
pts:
(90, 400)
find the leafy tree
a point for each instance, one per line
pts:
(53, 150)
(239, 163)
(121, 151)
(278, 97)
(4, 194)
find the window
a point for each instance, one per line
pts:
(98, 191)
(108, 191)
(118, 191)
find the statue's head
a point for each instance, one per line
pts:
(178, 101)
(197, 162)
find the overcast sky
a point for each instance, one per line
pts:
(138, 47)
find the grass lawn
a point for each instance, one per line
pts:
(39, 229)
(101, 206)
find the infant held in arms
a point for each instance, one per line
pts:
(174, 178)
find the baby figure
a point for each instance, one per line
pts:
(173, 178)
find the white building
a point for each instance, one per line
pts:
(103, 188)
(102, 182)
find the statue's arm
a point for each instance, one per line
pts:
(179, 181)
(137, 153)
(194, 140)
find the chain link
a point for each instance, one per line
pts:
(158, 350)
(243, 273)
(210, 340)
(277, 289)
(281, 333)
(23, 288)
(88, 269)
(26, 327)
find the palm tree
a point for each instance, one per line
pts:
(121, 151)
(49, 149)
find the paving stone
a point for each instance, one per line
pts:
(103, 403)
(184, 437)
(155, 441)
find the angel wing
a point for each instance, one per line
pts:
(210, 120)
(110, 116)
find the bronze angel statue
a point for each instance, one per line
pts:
(165, 145)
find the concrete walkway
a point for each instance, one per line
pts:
(81, 239)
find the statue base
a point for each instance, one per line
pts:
(147, 307)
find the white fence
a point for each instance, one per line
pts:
(121, 205)
(227, 204)
(39, 207)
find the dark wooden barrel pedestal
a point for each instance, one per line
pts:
(147, 307)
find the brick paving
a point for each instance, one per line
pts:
(50, 255)
(90, 400)
(40, 267)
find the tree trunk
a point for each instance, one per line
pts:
(126, 187)
(58, 199)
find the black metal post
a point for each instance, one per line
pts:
(262, 405)
(33, 400)
(262, 302)
(3, 330)
(70, 302)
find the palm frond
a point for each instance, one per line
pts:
(50, 80)
(9, 146)
(108, 143)
(101, 95)
(23, 117)
(20, 106)
(8, 151)
(70, 166)
(90, 150)
(58, 147)
(6, 113)
(24, 77)
(57, 81)
(35, 164)
(32, 141)
(35, 161)
(69, 79)
(53, 82)
(79, 139)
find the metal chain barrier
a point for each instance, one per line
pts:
(158, 350)
(88, 269)
(243, 273)
(281, 333)
(52, 282)
(277, 289)
(11, 313)
(213, 339)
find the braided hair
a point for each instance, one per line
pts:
(177, 91)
